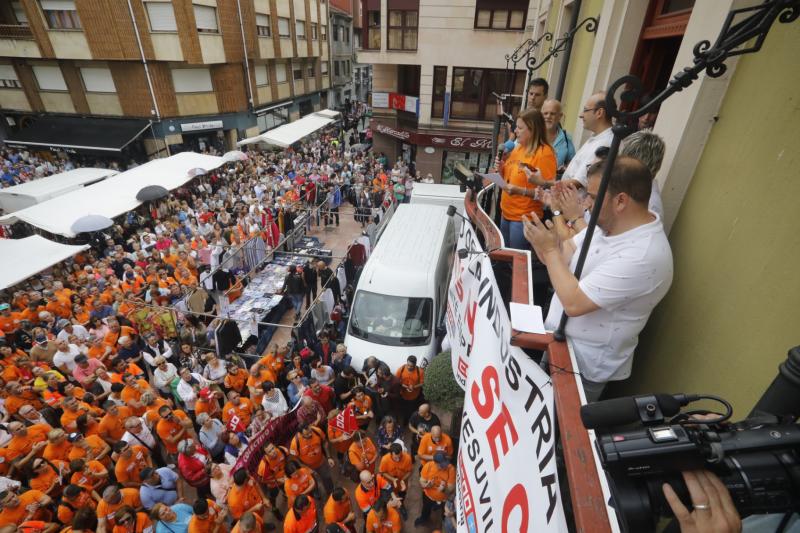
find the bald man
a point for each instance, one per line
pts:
(595, 119)
(558, 138)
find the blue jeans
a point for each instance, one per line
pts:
(297, 302)
(513, 234)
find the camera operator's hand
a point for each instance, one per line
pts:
(713, 510)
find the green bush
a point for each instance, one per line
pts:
(440, 387)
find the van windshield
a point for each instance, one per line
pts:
(391, 320)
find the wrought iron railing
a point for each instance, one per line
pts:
(15, 31)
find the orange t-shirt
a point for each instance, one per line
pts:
(270, 470)
(396, 469)
(305, 523)
(168, 429)
(391, 522)
(143, 523)
(240, 499)
(237, 381)
(58, 451)
(297, 484)
(309, 450)
(113, 426)
(129, 497)
(428, 447)
(440, 478)
(20, 445)
(207, 525)
(243, 410)
(259, 524)
(335, 433)
(362, 452)
(515, 206)
(96, 445)
(367, 498)
(65, 514)
(410, 379)
(336, 511)
(44, 481)
(128, 470)
(87, 481)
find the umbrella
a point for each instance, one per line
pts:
(151, 192)
(196, 172)
(360, 147)
(235, 155)
(90, 223)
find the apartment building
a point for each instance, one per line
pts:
(132, 78)
(341, 45)
(435, 65)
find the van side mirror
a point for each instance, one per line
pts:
(441, 331)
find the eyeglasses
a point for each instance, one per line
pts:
(586, 110)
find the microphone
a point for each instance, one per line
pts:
(648, 409)
(453, 211)
(463, 253)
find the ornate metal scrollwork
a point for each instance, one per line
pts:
(733, 40)
(561, 44)
(524, 50)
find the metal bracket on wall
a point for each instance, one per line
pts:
(561, 44)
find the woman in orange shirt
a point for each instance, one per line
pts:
(530, 165)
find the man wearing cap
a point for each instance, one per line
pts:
(438, 481)
(161, 485)
(67, 328)
(84, 371)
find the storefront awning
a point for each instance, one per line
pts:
(29, 256)
(78, 135)
(288, 134)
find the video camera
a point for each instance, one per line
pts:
(757, 459)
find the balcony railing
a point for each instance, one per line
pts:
(15, 31)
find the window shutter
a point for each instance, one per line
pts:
(192, 80)
(7, 72)
(283, 26)
(58, 5)
(280, 72)
(162, 17)
(262, 20)
(98, 80)
(49, 78)
(19, 12)
(262, 77)
(206, 18)
(300, 28)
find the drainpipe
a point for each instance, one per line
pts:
(146, 71)
(246, 60)
(562, 76)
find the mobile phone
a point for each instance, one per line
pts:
(528, 165)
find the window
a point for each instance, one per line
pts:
(324, 32)
(324, 67)
(335, 68)
(98, 80)
(280, 72)
(335, 33)
(500, 15)
(374, 35)
(314, 34)
(206, 19)
(19, 13)
(8, 77)
(346, 35)
(472, 91)
(300, 29)
(61, 14)
(297, 72)
(262, 76)
(192, 80)
(49, 78)
(161, 15)
(263, 27)
(283, 27)
(310, 70)
(402, 30)
(439, 88)
(391, 320)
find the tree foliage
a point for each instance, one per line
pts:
(440, 387)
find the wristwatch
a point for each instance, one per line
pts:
(556, 213)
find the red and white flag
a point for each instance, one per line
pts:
(345, 420)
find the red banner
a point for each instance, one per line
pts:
(444, 140)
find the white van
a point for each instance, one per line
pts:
(400, 302)
(439, 194)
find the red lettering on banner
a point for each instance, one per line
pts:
(462, 368)
(498, 430)
(517, 497)
(488, 376)
(470, 317)
(459, 289)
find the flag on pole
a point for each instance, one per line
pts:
(345, 420)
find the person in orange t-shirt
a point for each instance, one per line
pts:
(90, 475)
(74, 498)
(396, 466)
(434, 441)
(129, 521)
(237, 406)
(383, 518)
(249, 523)
(411, 379)
(172, 427)
(299, 480)
(362, 452)
(308, 445)
(26, 441)
(208, 517)
(90, 447)
(58, 446)
(131, 460)
(339, 509)
(438, 481)
(302, 517)
(111, 427)
(530, 165)
(236, 378)
(46, 476)
(245, 495)
(115, 499)
(340, 441)
(369, 489)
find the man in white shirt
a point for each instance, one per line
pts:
(648, 148)
(628, 270)
(68, 328)
(64, 358)
(595, 119)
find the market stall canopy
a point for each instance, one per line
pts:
(107, 136)
(288, 134)
(29, 256)
(114, 196)
(42, 189)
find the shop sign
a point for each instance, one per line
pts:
(403, 135)
(457, 142)
(200, 126)
(380, 99)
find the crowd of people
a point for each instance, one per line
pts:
(120, 415)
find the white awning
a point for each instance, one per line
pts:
(29, 256)
(113, 196)
(38, 190)
(288, 134)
